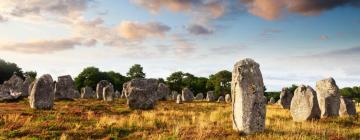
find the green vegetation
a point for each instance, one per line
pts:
(353, 93)
(136, 71)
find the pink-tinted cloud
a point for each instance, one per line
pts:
(324, 37)
(273, 9)
(139, 31)
(46, 46)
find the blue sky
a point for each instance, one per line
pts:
(294, 41)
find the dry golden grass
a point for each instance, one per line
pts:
(92, 119)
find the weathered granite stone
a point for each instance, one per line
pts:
(248, 100)
(100, 88)
(42, 93)
(65, 88)
(12, 89)
(141, 93)
(304, 105)
(178, 99)
(108, 93)
(199, 96)
(87, 93)
(221, 99)
(26, 85)
(162, 92)
(117, 94)
(228, 98)
(328, 97)
(347, 107)
(77, 94)
(285, 98)
(174, 95)
(187, 95)
(272, 100)
(210, 96)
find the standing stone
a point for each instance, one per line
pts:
(221, 99)
(199, 96)
(187, 95)
(141, 93)
(248, 100)
(65, 88)
(77, 94)
(228, 98)
(122, 96)
(285, 98)
(162, 92)
(174, 95)
(210, 96)
(328, 97)
(42, 93)
(304, 105)
(347, 107)
(87, 93)
(100, 88)
(272, 100)
(117, 94)
(11, 89)
(178, 99)
(108, 93)
(26, 85)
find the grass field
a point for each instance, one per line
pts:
(92, 119)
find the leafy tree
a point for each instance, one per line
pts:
(90, 76)
(136, 71)
(220, 82)
(7, 69)
(116, 79)
(175, 81)
(293, 88)
(31, 74)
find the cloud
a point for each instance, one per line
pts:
(324, 37)
(273, 9)
(199, 30)
(2, 19)
(139, 31)
(46, 46)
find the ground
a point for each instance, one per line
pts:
(93, 119)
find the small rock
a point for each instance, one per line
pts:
(199, 96)
(221, 99)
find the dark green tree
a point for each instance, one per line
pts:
(136, 71)
(90, 76)
(7, 69)
(116, 79)
(175, 81)
(31, 74)
(220, 82)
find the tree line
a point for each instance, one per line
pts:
(219, 82)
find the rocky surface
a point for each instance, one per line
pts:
(199, 96)
(65, 88)
(285, 98)
(221, 99)
(141, 93)
(87, 93)
(100, 88)
(163, 92)
(187, 95)
(248, 100)
(210, 96)
(328, 97)
(228, 98)
(304, 105)
(42, 94)
(347, 107)
(108, 93)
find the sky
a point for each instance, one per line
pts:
(295, 42)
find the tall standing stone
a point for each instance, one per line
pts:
(87, 93)
(174, 95)
(248, 100)
(141, 93)
(228, 98)
(328, 97)
(100, 88)
(285, 98)
(108, 93)
(163, 92)
(347, 107)
(187, 95)
(210, 96)
(178, 99)
(304, 105)
(65, 88)
(42, 93)
(26, 85)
